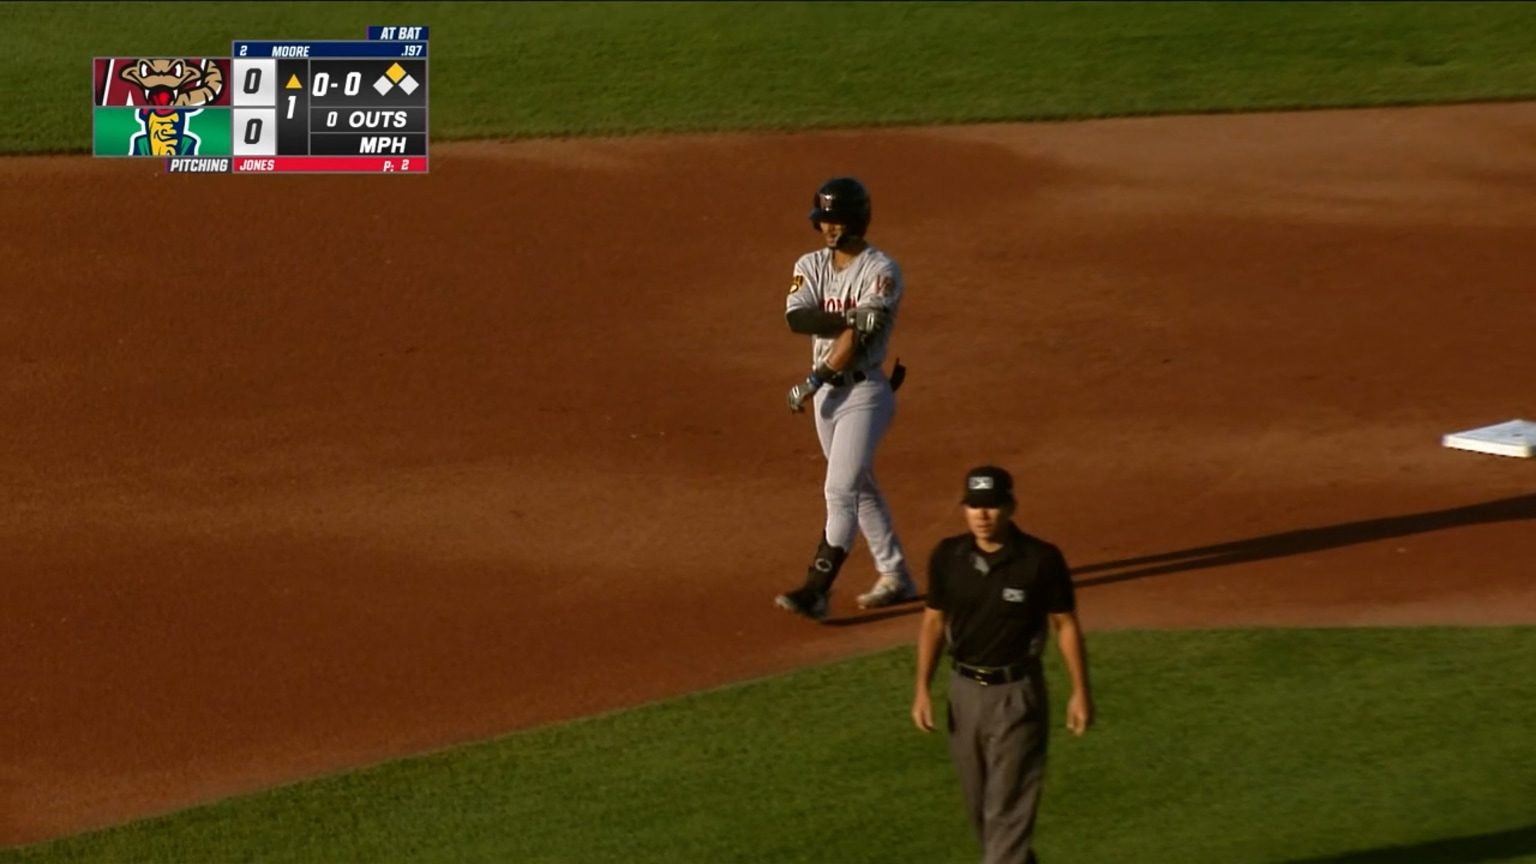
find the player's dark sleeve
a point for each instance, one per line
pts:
(938, 587)
(1054, 572)
(816, 322)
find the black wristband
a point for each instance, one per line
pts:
(824, 373)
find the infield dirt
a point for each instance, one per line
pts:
(310, 472)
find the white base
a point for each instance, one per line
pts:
(1512, 438)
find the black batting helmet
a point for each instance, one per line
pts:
(843, 201)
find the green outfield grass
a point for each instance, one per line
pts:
(1401, 746)
(522, 69)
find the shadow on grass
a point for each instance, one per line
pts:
(1509, 845)
(1307, 540)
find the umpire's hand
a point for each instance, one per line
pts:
(922, 711)
(1079, 713)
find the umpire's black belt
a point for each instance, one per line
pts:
(998, 674)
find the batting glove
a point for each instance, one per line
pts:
(802, 391)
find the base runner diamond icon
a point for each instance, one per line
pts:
(382, 85)
(395, 72)
(409, 85)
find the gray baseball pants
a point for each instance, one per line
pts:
(997, 739)
(851, 422)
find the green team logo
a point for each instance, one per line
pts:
(165, 132)
(161, 132)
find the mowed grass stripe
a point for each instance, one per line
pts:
(1220, 747)
(557, 69)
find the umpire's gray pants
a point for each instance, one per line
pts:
(997, 738)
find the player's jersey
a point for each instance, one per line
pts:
(871, 279)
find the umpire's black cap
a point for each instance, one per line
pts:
(988, 487)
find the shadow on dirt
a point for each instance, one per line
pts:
(1306, 540)
(1515, 844)
(911, 607)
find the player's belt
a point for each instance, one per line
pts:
(986, 675)
(846, 379)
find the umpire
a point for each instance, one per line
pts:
(991, 593)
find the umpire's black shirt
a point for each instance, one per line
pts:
(995, 604)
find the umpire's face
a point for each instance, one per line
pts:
(987, 523)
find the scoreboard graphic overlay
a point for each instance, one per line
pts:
(272, 107)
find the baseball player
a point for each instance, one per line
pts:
(845, 296)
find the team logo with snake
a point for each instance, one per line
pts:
(175, 89)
